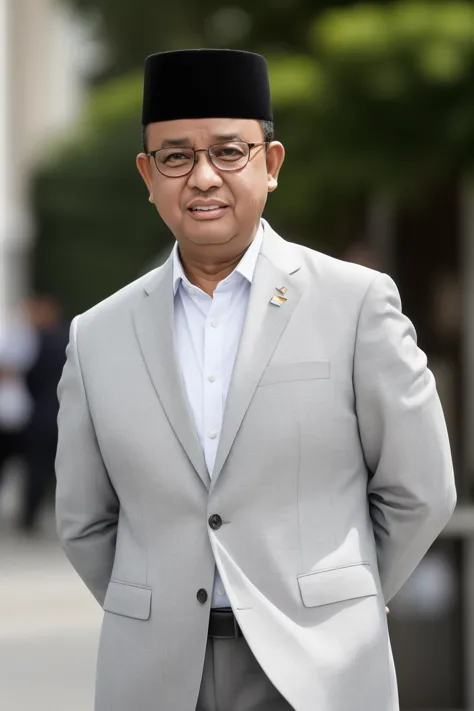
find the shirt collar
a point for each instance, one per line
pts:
(246, 266)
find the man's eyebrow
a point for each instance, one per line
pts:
(220, 138)
(227, 137)
(175, 142)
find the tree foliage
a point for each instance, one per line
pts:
(134, 28)
(96, 230)
(371, 97)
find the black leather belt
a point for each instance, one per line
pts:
(223, 625)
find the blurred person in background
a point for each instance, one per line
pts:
(252, 405)
(18, 349)
(15, 410)
(42, 378)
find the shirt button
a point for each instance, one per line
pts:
(214, 323)
(212, 434)
(220, 591)
(202, 596)
(212, 378)
(215, 522)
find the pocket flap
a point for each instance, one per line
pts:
(128, 600)
(303, 370)
(337, 584)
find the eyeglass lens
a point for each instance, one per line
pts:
(175, 162)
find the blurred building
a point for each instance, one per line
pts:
(44, 55)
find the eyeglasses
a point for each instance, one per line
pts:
(228, 157)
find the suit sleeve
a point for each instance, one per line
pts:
(86, 503)
(404, 438)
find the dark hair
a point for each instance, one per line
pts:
(144, 140)
(268, 129)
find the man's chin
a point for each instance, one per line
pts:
(209, 233)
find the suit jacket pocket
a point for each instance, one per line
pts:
(303, 370)
(337, 584)
(128, 600)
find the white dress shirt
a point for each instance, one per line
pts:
(207, 336)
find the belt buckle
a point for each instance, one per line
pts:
(236, 632)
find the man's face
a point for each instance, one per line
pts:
(239, 196)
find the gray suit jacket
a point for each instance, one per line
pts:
(333, 477)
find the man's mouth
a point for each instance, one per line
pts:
(207, 208)
(207, 211)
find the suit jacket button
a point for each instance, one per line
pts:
(215, 522)
(202, 596)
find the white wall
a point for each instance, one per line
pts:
(3, 151)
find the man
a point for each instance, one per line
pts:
(252, 405)
(18, 350)
(15, 410)
(42, 379)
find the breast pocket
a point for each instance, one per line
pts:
(296, 371)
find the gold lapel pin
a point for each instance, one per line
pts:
(278, 300)
(282, 290)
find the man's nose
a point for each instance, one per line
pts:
(204, 174)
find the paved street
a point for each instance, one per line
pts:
(49, 623)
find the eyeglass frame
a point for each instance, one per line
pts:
(152, 154)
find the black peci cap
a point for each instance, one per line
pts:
(206, 83)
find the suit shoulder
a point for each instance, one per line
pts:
(119, 303)
(341, 274)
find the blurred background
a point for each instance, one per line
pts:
(374, 102)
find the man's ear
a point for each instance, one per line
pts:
(145, 170)
(275, 158)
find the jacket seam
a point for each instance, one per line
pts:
(130, 585)
(369, 288)
(298, 508)
(84, 390)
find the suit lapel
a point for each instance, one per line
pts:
(277, 266)
(154, 327)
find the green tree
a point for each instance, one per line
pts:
(95, 229)
(381, 98)
(131, 29)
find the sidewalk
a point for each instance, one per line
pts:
(49, 626)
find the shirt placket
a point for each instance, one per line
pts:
(214, 336)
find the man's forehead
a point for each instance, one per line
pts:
(215, 128)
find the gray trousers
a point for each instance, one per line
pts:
(233, 680)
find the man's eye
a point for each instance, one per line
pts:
(230, 152)
(176, 157)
